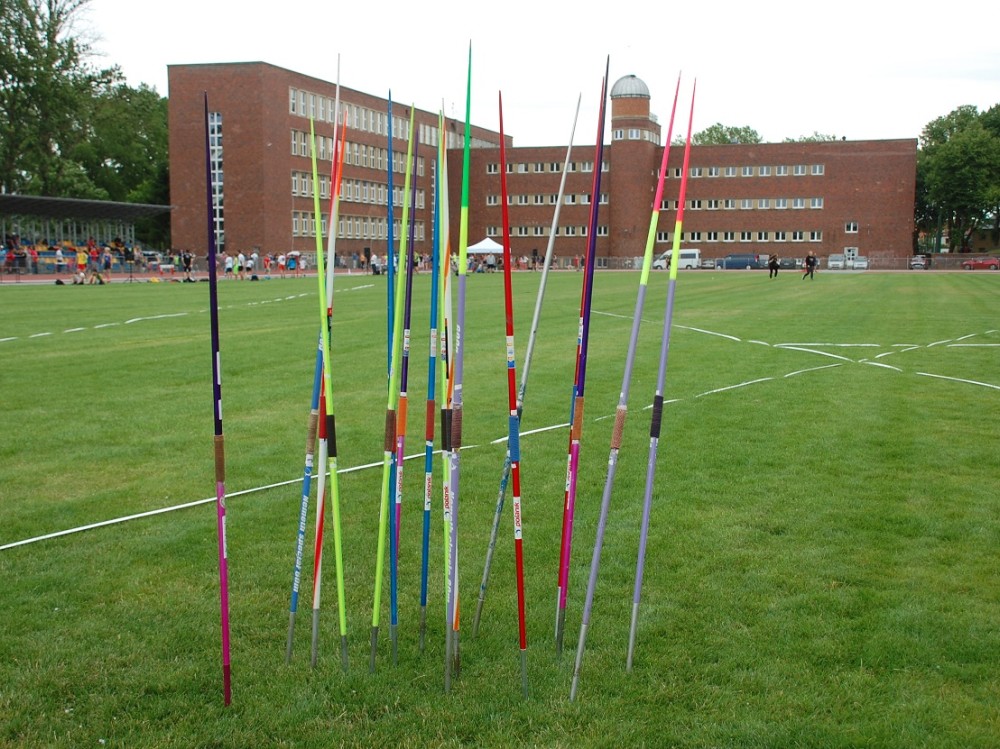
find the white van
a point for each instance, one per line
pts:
(688, 258)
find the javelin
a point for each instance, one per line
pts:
(451, 642)
(505, 475)
(386, 515)
(583, 335)
(431, 383)
(654, 428)
(220, 448)
(620, 413)
(447, 374)
(300, 536)
(326, 310)
(513, 422)
(402, 401)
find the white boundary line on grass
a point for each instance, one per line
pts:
(195, 503)
(100, 326)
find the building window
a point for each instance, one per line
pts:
(781, 171)
(587, 166)
(291, 101)
(712, 236)
(748, 171)
(555, 166)
(619, 134)
(633, 133)
(764, 171)
(728, 236)
(539, 231)
(522, 231)
(694, 205)
(713, 204)
(764, 203)
(817, 170)
(781, 203)
(851, 227)
(780, 236)
(522, 199)
(746, 236)
(815, 236)
(569, 199)
(797, 236)
(799, 170)
(762, 236)
(798, 202)
(730, 171)
(695, 171)
(493, 168)
(602, 230)
(729, 204)
(746, 204)
(662, 236)
(694, 236)
(713, 171)
(816, 203)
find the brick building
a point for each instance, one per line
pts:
(853, 197)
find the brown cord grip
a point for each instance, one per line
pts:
(220, 459)
(619, 430)
(456, 429)
(311, 432)
(390, 431)
(577, 431)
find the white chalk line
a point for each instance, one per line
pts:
(959, 379)
(197, 502)
(176, 314)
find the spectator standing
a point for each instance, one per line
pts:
(811, 262)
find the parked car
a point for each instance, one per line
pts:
(788, 262)
(708, 263)
(981, 263)
(689, 259)
(920, 262)
(860, 262)
(836, 262)
(740, 261)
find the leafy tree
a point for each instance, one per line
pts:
(68, 129)
(958, 173)
(721, 135)
(816, 137)
(45, 91)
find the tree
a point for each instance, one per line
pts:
(45, 92)
(68, 129)
(722, 135)
(958, 173)
(816, 137)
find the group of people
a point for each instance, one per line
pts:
(243, 266)
(808, 265)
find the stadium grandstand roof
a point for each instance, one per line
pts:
(62, 208)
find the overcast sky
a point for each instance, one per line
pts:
(860, 70)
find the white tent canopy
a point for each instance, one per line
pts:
(486, 247)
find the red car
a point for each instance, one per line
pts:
(981, 263)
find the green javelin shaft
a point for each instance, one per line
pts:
(331, 433)
(390, 414)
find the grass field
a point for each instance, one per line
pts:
(823, 559)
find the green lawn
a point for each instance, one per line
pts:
(823, 559)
